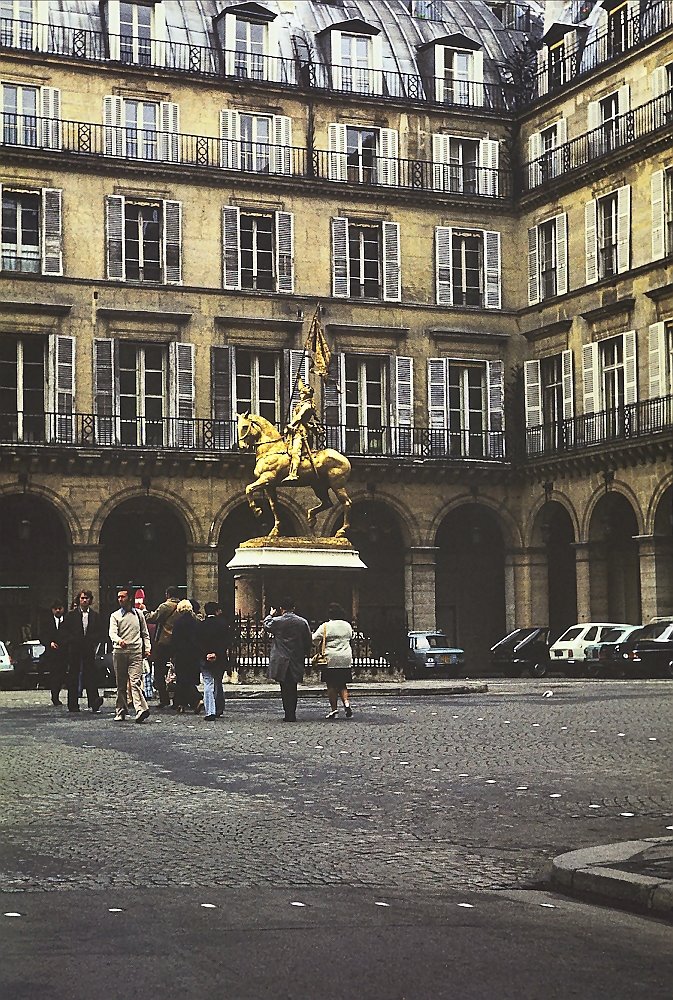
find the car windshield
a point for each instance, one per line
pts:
(438, 641)
(653, 631)
(571, 634)
(612, 634)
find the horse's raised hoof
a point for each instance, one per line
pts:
(341, 533)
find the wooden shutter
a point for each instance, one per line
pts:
(443, 261)
(542, 77)
(437, 393)
(113, 126)
(223, 381)
(105, 392)
(172, 242)
(657, 360)
(388, 157)
(113, 29)
(114, 237)
(296, 367)
(273, 66)
(624, 99)
(337, 167)
(561, 140)
(567, 385)
(658, 215)
(659, 81)
(61, 387)
(477, 78)
(533, 267)
(50, 106)
(403, 415)
(590, 376)
(182, 395)
(376, 64)
(392, 284)
(229, 43)
(169, 137)
(333, 402)
(489, 153)
(281, 158)
(231, 247)
(591, 241)
(285, 251)
(623, 228)
(41, 25)
(52, 231)
(159, 35)
(230, 140)
(441, 155)
(492, 283)
(340, 260)
(561, 253)
(495, 374)
(534, 154)
(532, 386)
(335, 59)
(630, 368)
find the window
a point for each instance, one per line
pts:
(32, 231)
(16, 24)
(363, 155)
(458, 83)
(355, 60)
(548, 259)
(662, 213)
(550, 162)
(258, 250)
(611, 355)
(142, 391)
(608, 235)
(22, 388)
(556, 63)
(256, 138)
(365, 403)
(255, 142)
(466, 407)
(462, 165)
(144, 130)
(618, 30)
(467, 263)
(143, 240)
(249, 44)
(141, 129)
(366, 259)
(551, 377)
(609, 115)
(20, 115)
(610, 380)
(135, 33)
(549, 402)
(547, 246)
(467, 268)
(258, 383)
(546, 153)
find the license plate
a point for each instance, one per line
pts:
(558, 652)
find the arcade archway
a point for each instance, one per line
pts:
(377, 534)
(663, 553)
(614, 561)
(555, 589)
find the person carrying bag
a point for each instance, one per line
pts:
(335, 659)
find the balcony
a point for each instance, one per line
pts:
(616, 134)
(218, 438)
(644, 419)
(137, 145)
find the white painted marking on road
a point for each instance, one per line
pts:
(208, 906)
(318, 746)
(549, 906)
(12, 914)
(545, 904)
(490, 781)
(592, 730)
(115, 909)
(536, 725)
(379, 903)
(507, 722)
(295, 903)
(652, 739)
(401, 762)
(555, 795)
(621, 734)
(435, 769)
(627, 814)
(463, 776)
(522, 788)
(593, 805)
(480, 719)
(468, 906)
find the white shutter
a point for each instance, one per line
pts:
(392, 283)
(542, 76)
(41, 26)
(561, 140)
(105, 392)
(532, 390)
(659, 81)
(495, 374)
(169, 138)
(223, 382)
(570, 47)
(231, 247)
(657, 361)
(159, 34)
(561, 253)
(113, 122)
(534, 154)
(113, 29)
(593, 116)
(493, 294)
(61, 387)
(388, 158)
(437, 394)
(404, 392)
(172, 242)
(567, 385)
(630, 368)
(50, 106)
(340, 261)
(624, 99)
(439, 66)
(440, 162)
(489, 153)
(337, 168)
(443, 275)
(114, 237)
(376, 64)
(590, 378)
(591, 241)
(52, 231)
(623, 228)
(182, 394)
(533, 267)
(230, 140)
(658, 215)
(477, 83)
(272, 52)
(229, 43)
(285, 251)
(298, 368)
(333, 401)
(335, 60)
(281, 158)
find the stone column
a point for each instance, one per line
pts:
(583, 577)
(248, 589)
(647, 556)
(84, 571)
(421, 561)
(202, 572)
(526, 588)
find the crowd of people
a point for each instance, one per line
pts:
(185, 646)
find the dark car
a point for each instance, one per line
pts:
(522, 653)
(648, 652)
(599, 658)
(30, 667)
(430, 653)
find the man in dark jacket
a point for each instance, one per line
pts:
(54, 656)
(291, 645)
(164, 618)
(215, 636)
(82, 632)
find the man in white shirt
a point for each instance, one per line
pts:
(130, 642)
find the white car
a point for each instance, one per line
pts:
(6, 665)
(569, 648)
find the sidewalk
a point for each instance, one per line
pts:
(634, 874)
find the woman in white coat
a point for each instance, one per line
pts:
(336, 634)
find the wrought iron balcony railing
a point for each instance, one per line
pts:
(636, 420)
(142, 145)
(615, 134)
(218, 437)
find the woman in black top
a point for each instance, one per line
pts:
(185, 650)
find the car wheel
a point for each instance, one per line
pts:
(668, 670)
(535, 670)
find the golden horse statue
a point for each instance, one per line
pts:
(322, 470)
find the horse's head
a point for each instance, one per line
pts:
(248, 431)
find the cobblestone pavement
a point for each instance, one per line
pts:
(473, 792)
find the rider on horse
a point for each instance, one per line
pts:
(300, 431)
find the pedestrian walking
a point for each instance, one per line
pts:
(130, 642)
(82, 631)
(54, 657)
(290, 646)
(333, 638)
(186, 654)
(164, 618)
(216, 640)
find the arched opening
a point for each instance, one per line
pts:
(33, 565)
(614, 562)
(142, 542)
(555, 588)
(470, 581)
(377, 535)
(663, 553)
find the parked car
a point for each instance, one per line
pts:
(430, 653)
(648, 651)
(599, 658)
(7, 667)
(568, 651)
(522, 653)
(29, 665)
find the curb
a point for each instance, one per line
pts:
(258, 692)
(588, 874)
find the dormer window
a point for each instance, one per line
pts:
(249, 49)
(355, 63)
(136, 31)
(354, 53)
(247, 34)
(557, 59)
(457, 76)
(454, 68)
(16, 24)
(557, 65)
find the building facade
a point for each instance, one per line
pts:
(478, 198)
